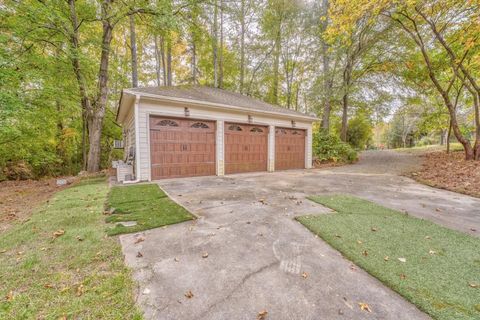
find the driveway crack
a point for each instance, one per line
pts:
(237, 287)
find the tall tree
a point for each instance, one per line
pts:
(133, 51)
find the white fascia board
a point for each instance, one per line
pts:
(224, 106)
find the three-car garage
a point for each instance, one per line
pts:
(198, 131)
(185, 148)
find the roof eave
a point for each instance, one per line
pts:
(222, 106)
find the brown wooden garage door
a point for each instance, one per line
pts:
(289, 149)
(181, 147)
(245, 148)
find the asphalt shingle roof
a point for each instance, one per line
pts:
(214, 95)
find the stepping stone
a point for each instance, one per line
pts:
(128, 223)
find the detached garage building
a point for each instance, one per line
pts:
(189, 131)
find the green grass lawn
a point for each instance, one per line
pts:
(77, 275)
(146, 204)
(441, 274)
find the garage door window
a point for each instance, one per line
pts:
(167, 123)
(200, 125)
(234, 127)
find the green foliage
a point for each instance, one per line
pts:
(329, 147)
(440, 263)
(359, 133)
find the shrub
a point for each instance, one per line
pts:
(359, 132)
(328, 147)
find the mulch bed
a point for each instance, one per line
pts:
(450, 172)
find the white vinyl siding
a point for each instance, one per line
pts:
(129, 138)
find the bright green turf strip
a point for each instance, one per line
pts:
(65, 263)
(147, 205)
(437, 283)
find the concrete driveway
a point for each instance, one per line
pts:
(259, 258)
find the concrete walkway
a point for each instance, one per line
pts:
(259, 258)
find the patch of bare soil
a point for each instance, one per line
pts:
(450, 172)
(18, 199)
(327, 164)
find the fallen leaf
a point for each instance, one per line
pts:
(262, 201)
(403, 276)
(139, 254)
(59, 233)
(431, 252)
(262, 315)
(359, 242)
(304, 275)
(138, 240)
(365, 253)
(48, 286)
(189, 294)
(205, 255)
(373, 229)
(3, 251)
(402, 259)
(428, 237)
(79, 238)
(386, 258)
(176, 259)
(364, 307)
(338, 236)
(473, 285)
(352, 267)
(9, 296)
(473, 229)
(80, 290)
(438, 209)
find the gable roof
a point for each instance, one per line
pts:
(208, 95)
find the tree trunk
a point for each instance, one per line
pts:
(133, 52)
(327, 83)
(276, 65)
(158, 61)
(346, 87)
(95, 118)
(220, 49)
(194, 61)
(343, 133)
(242, 46)
(162, 55)
(169, 62)
(84, 140)
(94, 137)
(215, 45)
(449, 135)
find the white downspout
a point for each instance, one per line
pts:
(137, 142)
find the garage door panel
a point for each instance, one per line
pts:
(289, 148)
(245, 148)
(181, 147)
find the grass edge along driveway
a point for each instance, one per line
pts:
(60, 265)
(146, 204)
(433, 267)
